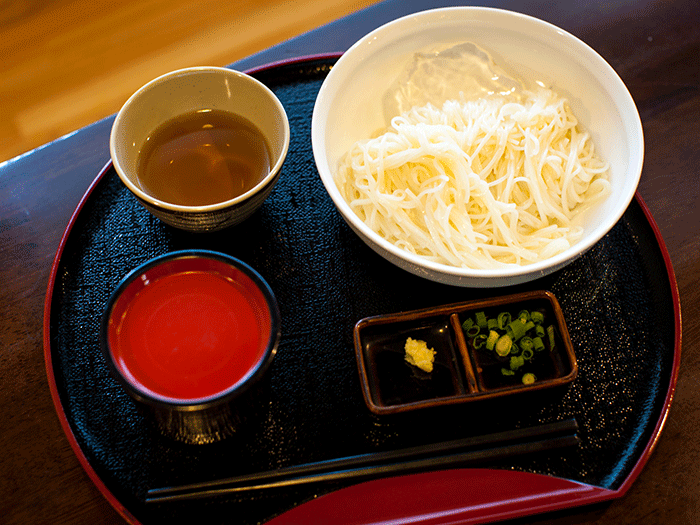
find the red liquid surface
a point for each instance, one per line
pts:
(188, 335)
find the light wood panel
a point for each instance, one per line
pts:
(66, 64)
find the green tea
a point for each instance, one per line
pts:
(204, 157)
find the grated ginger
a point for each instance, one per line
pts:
(418, 354)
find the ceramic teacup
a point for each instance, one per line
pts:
(183, 92)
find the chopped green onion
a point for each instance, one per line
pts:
(503, 319)
(503, 345)
(470, 328)
(479, 341)
(539, 345)
(516, 338)
(516, 362)
(518, 328)
(492, 339)
(528, 378)
(481, 320)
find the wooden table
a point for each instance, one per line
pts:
(654, 45)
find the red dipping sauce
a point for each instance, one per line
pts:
(189, 329)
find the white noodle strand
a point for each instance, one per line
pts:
(478, 184)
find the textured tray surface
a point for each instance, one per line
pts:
(616, 300)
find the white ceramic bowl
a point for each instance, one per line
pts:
(183, 91)
(349, 108)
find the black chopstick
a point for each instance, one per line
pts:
(480, 448)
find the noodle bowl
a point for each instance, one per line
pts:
(485, 224)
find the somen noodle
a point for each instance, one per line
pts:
(479, 184)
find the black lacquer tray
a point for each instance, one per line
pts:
(619, 301)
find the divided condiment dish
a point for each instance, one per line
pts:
(461, 372)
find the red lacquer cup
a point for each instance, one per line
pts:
(190, 335)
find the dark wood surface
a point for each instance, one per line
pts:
(653, 45)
